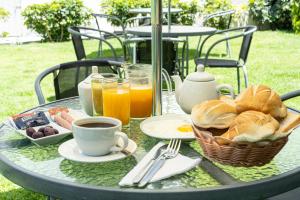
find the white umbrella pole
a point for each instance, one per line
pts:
(156, 43)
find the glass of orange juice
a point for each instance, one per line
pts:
(140, 97)
(140, 79)
(116, 99)
(96, 81)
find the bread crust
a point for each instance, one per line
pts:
(251, 126)
(213, 114)
(261, 98)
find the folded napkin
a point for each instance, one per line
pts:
(177, 165)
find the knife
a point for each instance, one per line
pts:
(147, 166)
(152, 171)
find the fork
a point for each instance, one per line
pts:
(171, 152)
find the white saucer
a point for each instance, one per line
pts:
(165, 127)
(70, 151)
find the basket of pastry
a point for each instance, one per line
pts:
(248, 131)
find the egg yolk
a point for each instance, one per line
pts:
(185, 128)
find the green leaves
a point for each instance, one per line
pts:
(120, 9)
(4, 14)
(52, 20)
(277, 13)
(213, 6)
(296, 16)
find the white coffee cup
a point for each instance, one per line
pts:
(98, 141)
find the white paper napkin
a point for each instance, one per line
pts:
(177, 165)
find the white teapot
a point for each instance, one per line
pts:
(197, 87)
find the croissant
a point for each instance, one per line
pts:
(213, 114)
(251, 126)
(261, 98)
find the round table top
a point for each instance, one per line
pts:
(148, 10)
(176, 31)
(43, 170)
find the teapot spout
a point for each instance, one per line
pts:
(178, 83)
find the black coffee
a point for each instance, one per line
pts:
(97, 125)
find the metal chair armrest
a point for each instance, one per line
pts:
(37, 86)
(226, 38)
(290, 95)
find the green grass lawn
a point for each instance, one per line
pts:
(274, 60)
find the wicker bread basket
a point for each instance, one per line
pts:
(238, 154)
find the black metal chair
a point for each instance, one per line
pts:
(118, 30)
(80, 33)
(220, 17)
(138, 21)
(244, 32)
(291, 95)
(66, 76)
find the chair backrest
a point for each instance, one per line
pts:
(222, 16)
(138, 21)
(111, 18)
(66, 76)
(78, 44)
(246, 43)
(78, 33)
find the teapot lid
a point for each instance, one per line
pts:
(200, 75)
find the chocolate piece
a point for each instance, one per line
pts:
(38, 134)
(30, 131)
(49, 131)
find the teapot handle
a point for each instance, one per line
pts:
(226, 86)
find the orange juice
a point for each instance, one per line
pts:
(97, 97)
(116, 103)
(140, 101)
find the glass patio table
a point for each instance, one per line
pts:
(43, 170)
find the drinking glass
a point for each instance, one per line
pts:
(97, 81)
(116, 99)
(140, 79)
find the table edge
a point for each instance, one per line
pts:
(269, 187)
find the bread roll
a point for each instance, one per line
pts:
(261, 98)
(227, 99)
(251, 126)
(289, 123)
(213, 114)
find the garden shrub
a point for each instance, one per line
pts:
(277, 13)
(52, 20)
(213, 6)
(189, 9)
(296, 15)
(4, 14)
(120, 9)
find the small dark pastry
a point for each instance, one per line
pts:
(30, 131)
(42, 129)
(38, 134)
(55, 131)
(49, 131)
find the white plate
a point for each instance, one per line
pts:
(165, 126)
(52, 139)
(70, 151)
